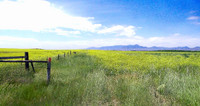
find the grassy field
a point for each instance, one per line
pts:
(95, 77)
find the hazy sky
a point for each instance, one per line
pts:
(76, 24)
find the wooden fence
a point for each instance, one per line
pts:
(27, 61)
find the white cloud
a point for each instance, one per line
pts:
(193, 11)
(18, 42)
(197, 23)
(62, 32)
(169, 41)
(39, 15)
(65, 33)
(176, 34)
(172, 41)
(119, 30)
(16, 39)
(193, 18)
(21, 42)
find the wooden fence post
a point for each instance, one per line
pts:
(48, 70)
(70, 52)
(64, 54)
(26, 63)
(58, 56)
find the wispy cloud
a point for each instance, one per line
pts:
(193, 11)
(197, 23)
(193, 18)
(18, 42)
(168, 41)
(65, 32)
(119, 30)
(176, 34)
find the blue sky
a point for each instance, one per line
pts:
(77, 24)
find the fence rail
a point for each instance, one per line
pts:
(27, 61)
(23, 61)
(14, 57)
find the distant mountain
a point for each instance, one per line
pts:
(196, 49)
(120, 47)
(142, 48)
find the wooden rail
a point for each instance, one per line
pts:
(27, 61)
(23, 61)
(14, 57)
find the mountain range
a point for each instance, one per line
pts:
(143, 48)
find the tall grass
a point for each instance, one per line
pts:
(160, 78)
(75, 80)
(106, 78)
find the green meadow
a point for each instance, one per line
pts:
(97, 77)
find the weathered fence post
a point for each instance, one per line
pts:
(70, 52)
(48, 70)
(26, 63)
(58, 56)
(64, 54)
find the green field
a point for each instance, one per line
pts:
(97, 77)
